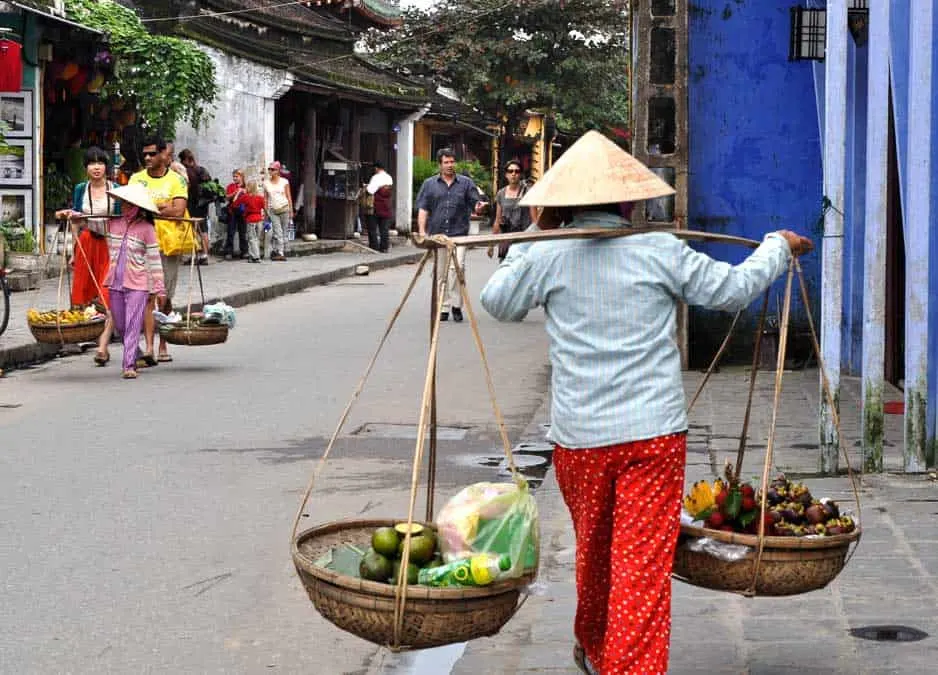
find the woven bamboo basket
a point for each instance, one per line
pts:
(789, 565)
(433, 616)
(72, 333)
(195, 335)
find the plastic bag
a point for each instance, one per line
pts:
(176, 237)
(220, 312)
(498, 518)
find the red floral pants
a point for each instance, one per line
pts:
(625, 501)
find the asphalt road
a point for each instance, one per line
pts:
(145, 525)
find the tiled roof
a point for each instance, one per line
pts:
(330, 64)
(298, 17)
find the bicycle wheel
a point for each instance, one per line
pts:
(4, 303)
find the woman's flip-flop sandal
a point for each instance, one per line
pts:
(129, 374)
(164, 358)
(147, 359)
(100, 359)
(579, 658)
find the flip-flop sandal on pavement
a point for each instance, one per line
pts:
(164, 358)
(579, 658)
(101, 360)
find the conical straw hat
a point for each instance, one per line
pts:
(594, 170)
(135, 194)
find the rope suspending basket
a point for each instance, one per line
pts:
(66, 326)
(807, 556)
(194, 330)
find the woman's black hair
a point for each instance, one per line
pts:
(95, 155)
(147, 216)
(513, 162)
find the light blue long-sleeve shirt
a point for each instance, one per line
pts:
(611, 309)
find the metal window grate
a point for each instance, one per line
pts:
(808, 34)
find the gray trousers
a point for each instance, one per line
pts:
(278, 223)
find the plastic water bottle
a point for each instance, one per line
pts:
(479, 570)
(291, 231)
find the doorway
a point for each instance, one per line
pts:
(895, 266)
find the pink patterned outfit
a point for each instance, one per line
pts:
(135, 272)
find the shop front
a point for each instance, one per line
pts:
(50, 117)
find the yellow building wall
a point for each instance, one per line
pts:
(422, 140)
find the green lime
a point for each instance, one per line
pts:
(421, 549)
(375, 567)
(412, 572)
(385, 541)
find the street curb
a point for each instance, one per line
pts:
(264, 293)
(28, 354)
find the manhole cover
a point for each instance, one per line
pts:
(889, 633)
(534, 447)
(409, 431)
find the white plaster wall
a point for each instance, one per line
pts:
(241, 133)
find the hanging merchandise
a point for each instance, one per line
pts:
(76, 84)
(70, 70)
(11, 65)
(96, 83)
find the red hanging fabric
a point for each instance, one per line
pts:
(11, 66)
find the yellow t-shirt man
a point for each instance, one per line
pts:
(163, 190)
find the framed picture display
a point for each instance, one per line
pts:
(16, 109)
(16, 207)
(16, 162)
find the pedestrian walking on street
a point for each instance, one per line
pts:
(510, 216)
(235, 221)
(618, 414)
(198, 203)
(279, 206)
(444, 204)
(379, 220)
(92, 259)
(135, 268)
(251, 203)
(170, 193)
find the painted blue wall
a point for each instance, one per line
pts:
(754, 147)
(933, 255)
(854, 209)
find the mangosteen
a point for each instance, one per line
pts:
(834, 530)
(831, 507)
(773, 496)
(815, 514)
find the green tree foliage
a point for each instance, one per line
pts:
(169, 79)
(503, 56)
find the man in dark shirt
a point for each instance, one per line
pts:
(198, 205)
(444, 204)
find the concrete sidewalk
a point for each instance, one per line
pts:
(236, 282)
(892, 580)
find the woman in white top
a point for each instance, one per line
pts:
(278, 202)
(92, 259)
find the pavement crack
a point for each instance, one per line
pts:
(208, 583)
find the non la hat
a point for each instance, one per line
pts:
(594, 170)
(136, 194)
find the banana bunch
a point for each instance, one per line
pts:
(54, 317)
(701, 501)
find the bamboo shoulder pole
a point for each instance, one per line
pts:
(478, 240)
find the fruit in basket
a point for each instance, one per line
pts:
(385, 541)
(816, 514)
(412, 572)
(61, 317)
(700, 503)
(375, 567)
(422, 549)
